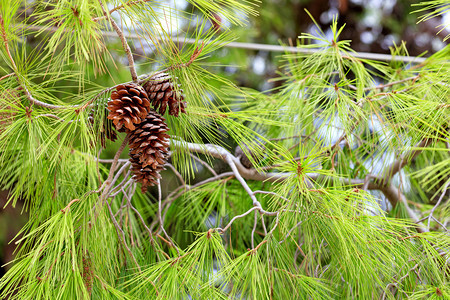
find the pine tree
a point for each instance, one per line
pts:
(344, 193)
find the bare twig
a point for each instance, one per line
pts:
(50, 116)
(110, 161)
(121, 170)
(121, 186)
(289, 232)
(107, 184)
(382, 86)
(182, 189)
(395, 284)
(271, 193)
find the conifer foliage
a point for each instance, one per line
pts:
(338, 187)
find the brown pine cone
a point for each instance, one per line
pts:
(129, 105)
(103, 128)
(147, 176)
(149, 145)
(161, 93)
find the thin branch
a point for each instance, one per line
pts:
(271, 193)
(175, 171)
(260, 47)
(397, 165)
(395, 284)
(129, 4)
(68, 205)
(203, 163)
(394, 196)
(15, 70)
(121, 236)
(382, 86)
(437, 221)
(444, 191)
(183, 189)
(106, 186)
(5, 41)
(255, 222)
(161, 220)
(50, 116)
(125, 45)
(110, 161)
(220, 230)
(7, 75)
(121, 186)
(289, 232)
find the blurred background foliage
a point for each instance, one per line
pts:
(371, 25)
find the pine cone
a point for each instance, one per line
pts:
(104, 128)
(161, 93)
(149, 149)
(129, 105)
(146, 176)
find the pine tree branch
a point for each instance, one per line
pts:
(253, 174)
(397, 165)
(392, 194)
(121, 236)
(395, 196)
(106, 186)
(125, 45)
(175, 171)
(204, 163)
(444, 191)
(222, 230)
(260, 47)
(183, 189)
(16, 72)
(7, 75)
(161, 219)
